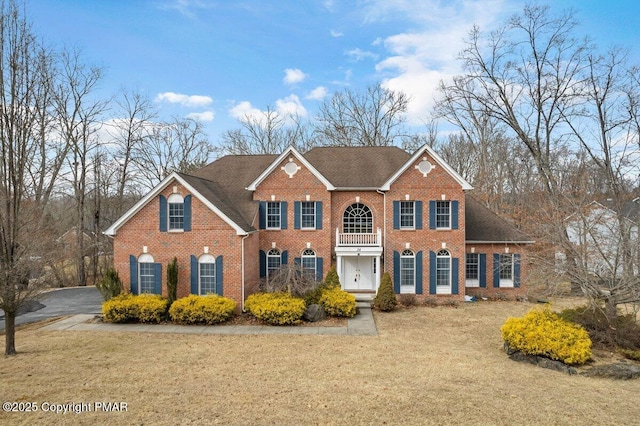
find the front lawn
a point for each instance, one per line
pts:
(442, 365)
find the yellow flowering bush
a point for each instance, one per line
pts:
(276, 308)
(209, 309)
(129, 308)
(542, 332)
(338, 303)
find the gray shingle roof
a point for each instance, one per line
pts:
(223, 182)
(484, 225)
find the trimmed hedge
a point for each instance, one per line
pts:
(145, 308)
(276, 308)
(338, 303)
(385, 299)
(209, 309)
(542, 332)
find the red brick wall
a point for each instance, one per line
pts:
(293, 189)
(432, 187)
(207, 229)
(490, 291)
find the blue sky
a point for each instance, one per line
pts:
(219, 60)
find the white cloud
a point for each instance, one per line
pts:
(416, 61)
(317, 94)
(285, 107)
(184, 100)
(290, 106)
(293, 76)
(204, 116)
(359, 54)
(336, 34)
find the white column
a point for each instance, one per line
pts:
(377, 277)
(339, 270)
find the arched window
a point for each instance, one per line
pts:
(206, 274)
(407, 271)
(443, 269)
(274, 260)
(309, 261)
(176, 211)
(146, 274)
(357, 219)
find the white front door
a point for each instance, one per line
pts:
(358, 273)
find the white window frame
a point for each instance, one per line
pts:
(273, 254)
(472, 282)
(175, 201)
(271, 205)
(146, 261)
(309, 216)
(309, 255)
(509, 273)
(407, 288)
(412, 215)
(443, 255)
(206, 259)
(440, 216)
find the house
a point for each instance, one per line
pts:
(603, 241)
(365, 210)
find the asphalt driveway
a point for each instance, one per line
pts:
(60, 302)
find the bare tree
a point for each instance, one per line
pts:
(269, 132)
(374, 117)
(135, 114)
(176, 146)
(78, 117)
(25, 79)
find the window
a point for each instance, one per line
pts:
(357, 219)
(443, 272)
(407, 272)
(309, 262)
(146, 272)
(274, 261)
(176, 212)
(443, 214)
(407, 215)
(472, 270)
(207, 274)
(308, 214)
(273, 215)
(506, 270)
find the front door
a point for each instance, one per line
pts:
(358, 273)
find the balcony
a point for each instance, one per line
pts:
(359, 240)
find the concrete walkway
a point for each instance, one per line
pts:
(360, 325)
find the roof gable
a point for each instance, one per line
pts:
(187, 183)
(294, 152)
(485, 226)
(439, 161)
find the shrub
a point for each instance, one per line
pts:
(407, 300)
(332, 280)
(623, 331)
(338, 303)
(172, 281)
(210, 309)
(110, 285)
(542, 332)
(129, 308)
(385, 299)
(276, 308)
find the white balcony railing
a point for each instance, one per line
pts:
(359, 240)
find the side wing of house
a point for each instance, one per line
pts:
(176, 221)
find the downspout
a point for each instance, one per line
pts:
(242, 269)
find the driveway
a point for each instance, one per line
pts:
(60, 302)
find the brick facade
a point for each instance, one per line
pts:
(240, 246)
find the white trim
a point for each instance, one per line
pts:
(420, 152)
(289, 151)
(112, 230)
